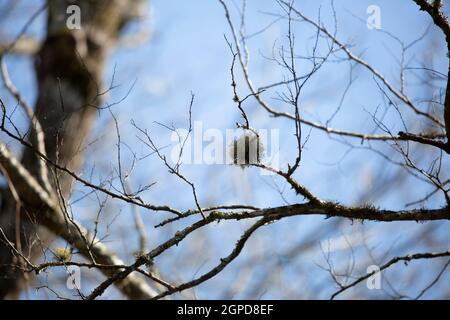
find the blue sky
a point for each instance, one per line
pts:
(187, 53)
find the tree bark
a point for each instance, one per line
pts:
(69, 68)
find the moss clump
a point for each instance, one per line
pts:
(144, 257)
(336, 209)
(63, 254)
(218, 215)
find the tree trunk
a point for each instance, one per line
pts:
(69, 69)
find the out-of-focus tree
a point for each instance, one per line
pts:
(69, 69)
(36, 200)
